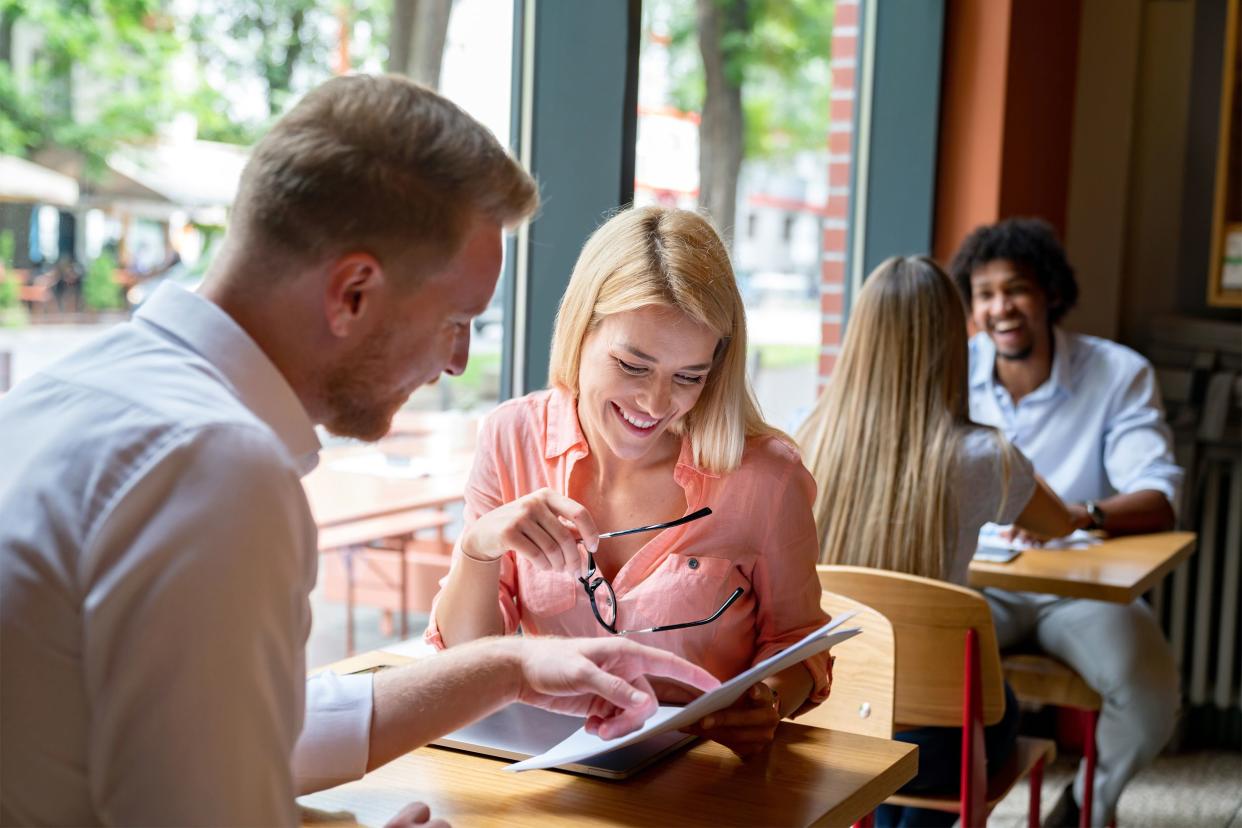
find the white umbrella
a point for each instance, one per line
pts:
(22, 180)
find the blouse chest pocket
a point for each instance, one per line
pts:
(545, 594)
(695, 586)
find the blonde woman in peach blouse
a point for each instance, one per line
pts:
(648, 419)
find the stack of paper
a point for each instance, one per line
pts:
(581, 745)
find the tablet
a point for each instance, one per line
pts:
(996, 554)
(520, 731)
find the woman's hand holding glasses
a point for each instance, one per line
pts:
(544, 527)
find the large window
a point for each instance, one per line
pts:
(752, 124)
(139, 142)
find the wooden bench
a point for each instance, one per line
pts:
(35, 296)
(381, 544)
(401, 526)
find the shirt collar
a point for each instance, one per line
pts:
(565, 433)
(564, 430)
(213, 334)
(983, 363)
(1062, 378)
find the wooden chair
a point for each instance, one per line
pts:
(863, 675)
(948, 674)
(1041, 679)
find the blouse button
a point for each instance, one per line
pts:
(693, 563)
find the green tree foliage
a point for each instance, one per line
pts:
(99, 289)
(99, 74)
(282, 48)
(779, 53)
(10, 292)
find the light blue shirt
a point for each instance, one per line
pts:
(1096, 426)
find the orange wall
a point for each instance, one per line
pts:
(1039, 120)
(1007, 107)
(972, 105)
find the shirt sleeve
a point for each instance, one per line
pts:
(484, 493)
(1016, 478)
(335, 742)
(786, 585)
(194, 628)
(1138, 445)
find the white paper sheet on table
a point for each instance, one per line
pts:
(990, 535)
(582, 745)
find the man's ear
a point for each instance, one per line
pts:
(352, 291)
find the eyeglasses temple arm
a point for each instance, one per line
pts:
(701, 513)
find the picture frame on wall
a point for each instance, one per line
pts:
(1225, 282)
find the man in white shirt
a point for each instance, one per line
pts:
(156, 546)
(1088, 414)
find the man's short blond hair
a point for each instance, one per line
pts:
(378, 164)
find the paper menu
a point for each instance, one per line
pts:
(990, 536)
(582, 745)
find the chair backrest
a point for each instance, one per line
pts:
(862, 677)
(929, 619)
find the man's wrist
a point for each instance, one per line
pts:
(1095, 515)
(1078, 516)
(503, 653)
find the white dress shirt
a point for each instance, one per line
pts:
(1095, 427)
(156, 556)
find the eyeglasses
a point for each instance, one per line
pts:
(606, 609)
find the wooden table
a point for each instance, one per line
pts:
(356, 511)
(1119, 569)
(338, 497)
(810, 776)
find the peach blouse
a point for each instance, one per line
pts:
(760, 536)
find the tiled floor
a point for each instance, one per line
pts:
(1199, 789)
(327, 638)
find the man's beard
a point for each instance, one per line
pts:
(350, 392)
(1017, 356)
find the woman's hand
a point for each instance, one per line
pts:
(415, 814)
(745, 727)
(539, 526)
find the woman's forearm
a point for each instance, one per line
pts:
(468, 607)
(1045, 515)
(793, 686)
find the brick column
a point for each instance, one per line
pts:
(836, 223)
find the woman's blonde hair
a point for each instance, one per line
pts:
(671, 258)
(882, 440)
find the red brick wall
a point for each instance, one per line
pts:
(836, 223)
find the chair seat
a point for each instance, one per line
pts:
(1044, 680)
(1026, 753)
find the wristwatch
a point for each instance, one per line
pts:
(1095, 513)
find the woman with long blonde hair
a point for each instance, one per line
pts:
(648, 420)
(906, 480)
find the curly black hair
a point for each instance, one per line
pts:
(1029, 242)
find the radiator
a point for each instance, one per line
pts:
(1200, 372)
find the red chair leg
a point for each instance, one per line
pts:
(1088, 788)
(1037, 783)
(974, 768)
(867, 821)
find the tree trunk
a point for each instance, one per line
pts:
(416, 45)
(7, 18)
(721, 128)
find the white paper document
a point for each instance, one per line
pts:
(582, 745)
(990, 536)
